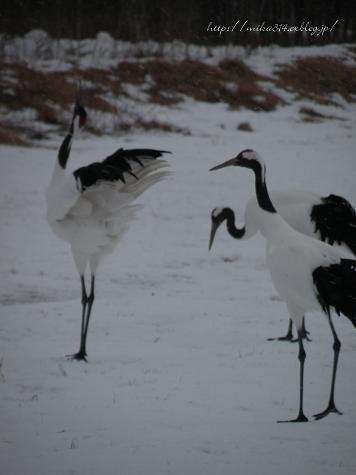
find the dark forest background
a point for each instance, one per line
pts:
(185, 20)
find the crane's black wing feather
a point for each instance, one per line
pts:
(336, 287)
(114, 167)
(335, 220)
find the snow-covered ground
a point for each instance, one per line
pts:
(180, 378)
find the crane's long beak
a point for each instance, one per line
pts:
(214, 228)
(224, 164)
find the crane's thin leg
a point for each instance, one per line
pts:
(336, 347)
(81, 355)
(90, 301)
(289, 335)
(301, 356)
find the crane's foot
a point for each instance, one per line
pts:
(80, 356)
(304, 337)
(301, 418)
(287, 337)
(331, 408)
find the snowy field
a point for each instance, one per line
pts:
(180, 378)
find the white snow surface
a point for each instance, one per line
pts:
(180, 378)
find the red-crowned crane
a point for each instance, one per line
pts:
(331, 219)
(91, 208)
(308, 274)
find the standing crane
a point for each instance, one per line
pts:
(92, 207)
(308, 274)
(331, 219)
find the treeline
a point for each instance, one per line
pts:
(193, 21)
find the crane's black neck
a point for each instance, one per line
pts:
(235, 232)
(262, 194)
(64, 150)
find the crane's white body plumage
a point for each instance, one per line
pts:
(93, 221)
(307, 273)
(330, 219)
(294, 206)
(291, 258)
(92, 207)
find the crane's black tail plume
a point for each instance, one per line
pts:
(335, 220)
(336, 287)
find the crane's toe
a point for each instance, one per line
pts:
(287, 337)
(330, 409)
(304, 337)
(80, 356)
(300, 418)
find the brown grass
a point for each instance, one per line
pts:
(311, 115)
(318, 77)
(158, 125)
(171, 80)
(239, 70)
(11, 136)
(163, 98)
(251, 96)
(231, 82)
(41, 91)
(132, 73)
(51, 94)
(191, 78)
(245, 126)
(99, 81)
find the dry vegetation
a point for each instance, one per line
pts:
(317, 78)
(49, 95)
(10, 135)
(158, 125)
(231, 82)
(309, 114)
(245, 126)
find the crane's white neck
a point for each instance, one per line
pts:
(271, 226)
